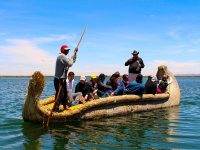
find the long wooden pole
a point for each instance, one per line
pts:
(81, 37)
(76, 49)
(58, 95)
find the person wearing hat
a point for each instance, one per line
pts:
(93, 81)
(85, 88)
(135, 65)
(80, 86)
(62, 65)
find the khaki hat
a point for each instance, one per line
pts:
(83, 78)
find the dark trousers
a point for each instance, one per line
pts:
(63, 93)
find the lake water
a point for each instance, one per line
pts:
(171, 128)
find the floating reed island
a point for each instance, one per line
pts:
(36, 110)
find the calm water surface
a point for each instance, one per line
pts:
(171, 128)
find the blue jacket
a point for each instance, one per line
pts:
(134, 88)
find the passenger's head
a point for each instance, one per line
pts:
(125, 77)
(102, 77)
(154, 79)
(164, 78)
(151, 78)
(70, 76)
(115, 77)
(93, 78)
(64, 49)
(139, 78)
(82, 79)
(116, 74)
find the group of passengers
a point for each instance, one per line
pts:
(96, 87)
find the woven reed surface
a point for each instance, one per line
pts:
(47, 104)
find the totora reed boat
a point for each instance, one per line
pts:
(36, 110)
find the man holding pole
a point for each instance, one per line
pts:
(62, 65)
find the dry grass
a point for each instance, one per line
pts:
(36, 85)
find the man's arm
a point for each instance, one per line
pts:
(108, 87)
(75, 54)
(66, 61)
(128, 62)
(141, 63)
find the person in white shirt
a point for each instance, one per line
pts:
(70, 81)
(74, 98)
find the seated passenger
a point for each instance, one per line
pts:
(85, 88)
(74, 98)
(163, 84)
(125, 80)
(121, 85)
(150, 85)
(93, 81)
(70, 82)
(114, 81)
(92, 88)
(103, 90)
(135, 87)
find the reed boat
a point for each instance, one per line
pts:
(38, 111)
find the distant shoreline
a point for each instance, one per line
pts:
(178, 76)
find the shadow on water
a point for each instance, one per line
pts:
(152, 130)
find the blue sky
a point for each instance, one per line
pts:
(163, 31)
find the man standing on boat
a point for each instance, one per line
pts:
(62, 65)
(135, 64)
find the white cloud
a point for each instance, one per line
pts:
(21, 57)
(186, 67)
(54, 38)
